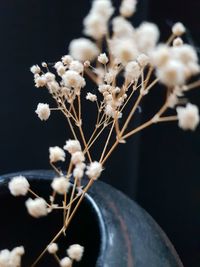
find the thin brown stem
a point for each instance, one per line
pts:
(107, 141)
(168, 118)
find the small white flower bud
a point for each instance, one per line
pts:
(91, 97)
(75, 252)
(52, 248)
(177, 41)
(66, 262)
(44, 64)
(103, 59)
(35, 69)
(178, 29)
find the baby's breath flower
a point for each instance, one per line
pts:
(60, 185)
(122, 28)
(186, 53)
(78, 172)
(35, 69)
(61, 70)
(66, 262)
(95, 23)
(56, 154)
(43, 111)
(53, 87)
(52, 248)
(11, 258)
(172, 73)
(91, 97)
(128, 8)
(102, 8)
(4, 258)
(76, 66)
(83, 49)
(177, 41)
(143, 60)
(147, 35)
(58, 64)
(75, 252)
(160, 55)
(49, 76)
(103, 59)
(36, 207)
(40, 81)
(178, 29)
(111, 112)
(94, 170)
(103, 88)
(18, 186)
(44, 64)
(67, 59)
(77, 157)
(73, 79)
(72, 146)
(188, 117)
(124, 50)
(109, 77)
(18, 250)
(95, 26)
(132, 71)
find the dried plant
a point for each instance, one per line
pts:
(124, 64)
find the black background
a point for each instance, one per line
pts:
(159, 168)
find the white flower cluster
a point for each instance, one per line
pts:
(43, 111)
(70, 71)
(36, 207)
(56, 154)
(127, 42)
(176, 64)
(18, 186)
(11, 258)
(188, 117)
(77, 157)
(60, 185)
(114, 98)
(74, 252)
(128, 8)
(83, 49)
(96, 22)
(94, 170)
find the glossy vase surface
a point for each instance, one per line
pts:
(114, 230)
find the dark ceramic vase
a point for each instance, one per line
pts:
(114, 230)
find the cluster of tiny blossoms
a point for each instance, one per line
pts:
(124, 63)
(11, 258)
(74, 253)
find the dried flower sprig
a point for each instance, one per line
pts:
(123, 72)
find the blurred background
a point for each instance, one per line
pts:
(158, 168)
